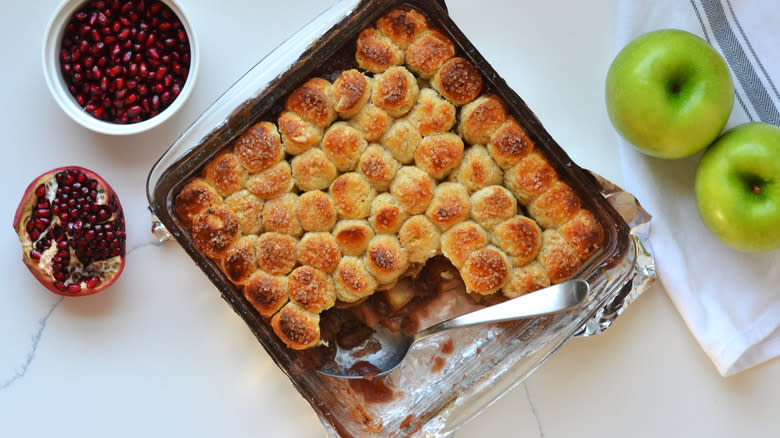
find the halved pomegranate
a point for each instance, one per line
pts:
(72, 230)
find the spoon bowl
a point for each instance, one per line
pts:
(395, 345)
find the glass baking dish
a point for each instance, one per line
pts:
(480, 363)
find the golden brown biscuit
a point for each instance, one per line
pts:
(477, 170)
(276, 253)
(352, 195)
(486, 271)
(401, 140)
(311, 101)
(240, 262)
(432, 114)
(371, 121)
(267, 293)
(458, 81)
(387, 214)
(480, 119)
(402, 26)
(319, 250)
(378, 166)
(584, 233)
(520, 237)
(195, 197)
(259, 148)
(413, 188)
(316, 211)
(297, 327)
(225, 173)
(420, 238)
(312, 170)
(351, 92)
(429, 52)
(555, 206)
(280, 215)
(395, 91)
(524, 279)
(530, 177)
(353, 236)
(311, 289)
(558, 258)
(385, 259)
(248, 209)
(449, 206)
(298, 135)
(352, 280)
(492, 205)
(343, 145)
(461, 240)
(214, 230)
(509, 144)
(376, 53)
(272, 182)
(439, 154)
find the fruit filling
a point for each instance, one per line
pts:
(124, 61)
(75, 231)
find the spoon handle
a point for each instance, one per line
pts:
(552, 299)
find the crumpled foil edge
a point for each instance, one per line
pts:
(644, 274)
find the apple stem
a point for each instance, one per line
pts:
(756, 189)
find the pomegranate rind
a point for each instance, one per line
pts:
(22, 216)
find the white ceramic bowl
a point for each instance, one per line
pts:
(59, 90)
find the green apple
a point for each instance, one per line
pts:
(737, 187)
(669, 93)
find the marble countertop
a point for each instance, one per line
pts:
(161, 354)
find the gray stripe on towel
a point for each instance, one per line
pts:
(740, 65)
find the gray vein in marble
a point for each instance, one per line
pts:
(143, 245)
(34, 347)
(42, 325)
(533, 410)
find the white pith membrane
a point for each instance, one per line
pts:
(77, 272)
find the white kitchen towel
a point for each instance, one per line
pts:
(729, 300)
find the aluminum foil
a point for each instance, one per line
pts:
(638, 219)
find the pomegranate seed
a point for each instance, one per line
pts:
(134, 111)
(40, 191)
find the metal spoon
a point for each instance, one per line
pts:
(395, 345)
